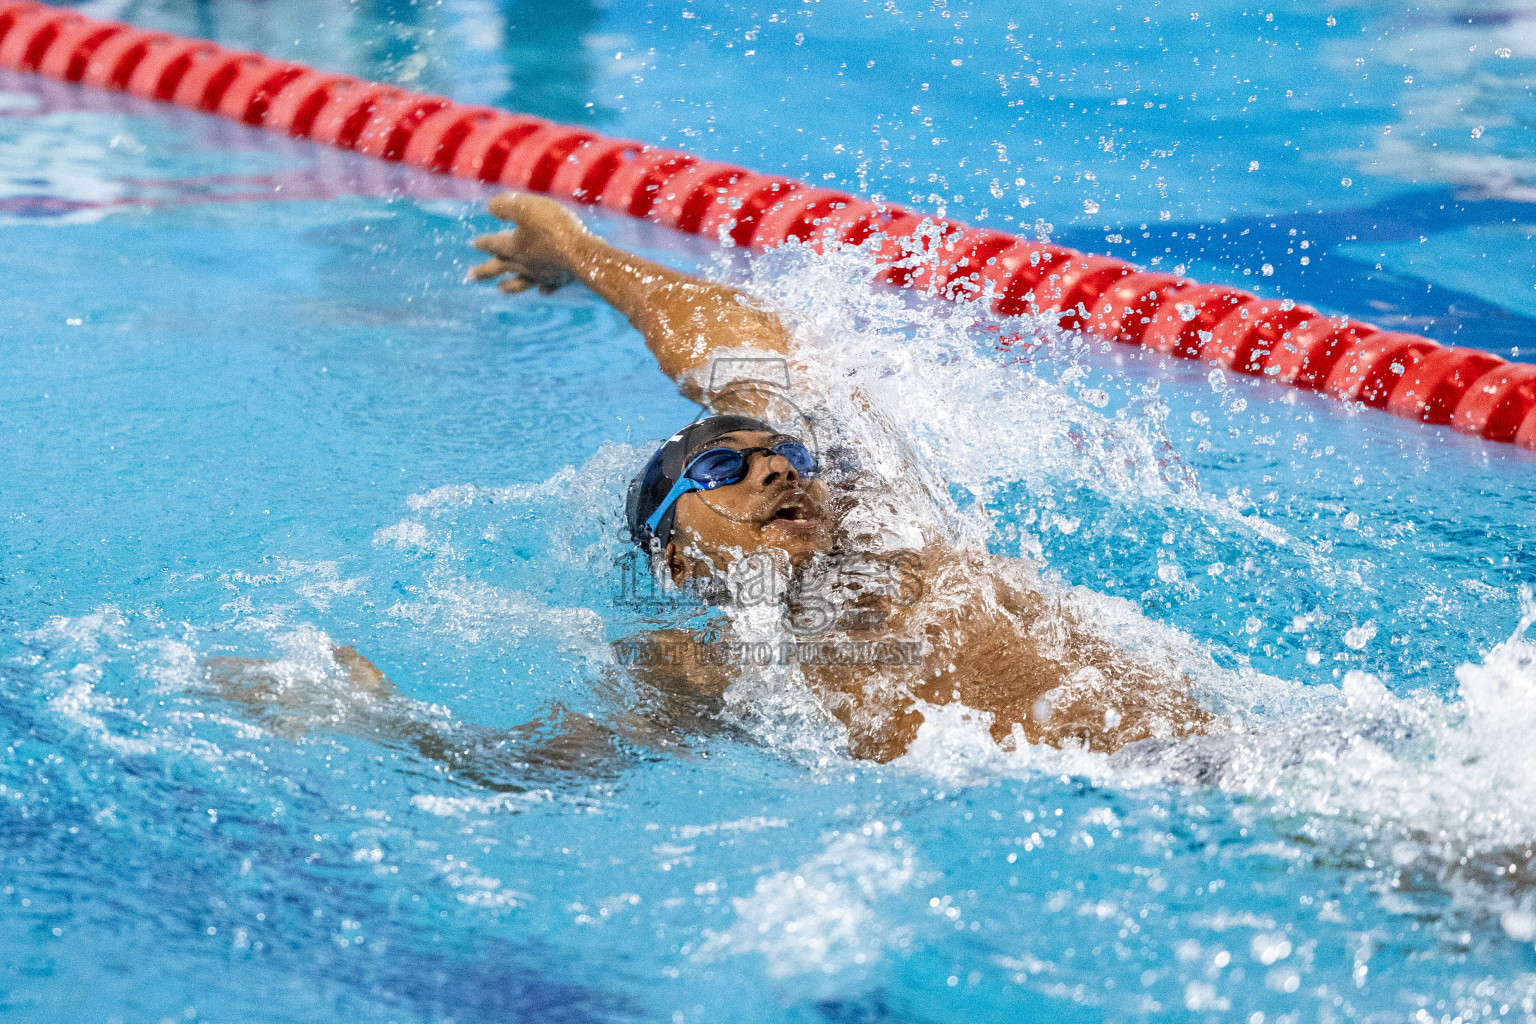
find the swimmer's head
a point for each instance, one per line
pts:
(698, 504)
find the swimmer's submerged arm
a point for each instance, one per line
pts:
(361, 701)
(685, 319)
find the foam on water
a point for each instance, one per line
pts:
(823, 916)
(473, 610)
(1444, 788)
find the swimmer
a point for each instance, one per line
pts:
(730, 490)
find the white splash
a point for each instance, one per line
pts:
(823, 916)
(475, 611)
(772, 700)
(932, 412)
(76, 657)
(460, 806)
(319, 583)
(756, 823)
(79, 703)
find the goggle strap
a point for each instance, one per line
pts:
(682, 487)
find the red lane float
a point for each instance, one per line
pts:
(684, 199)
(341, 120)
(112, 64)
(851, 223)
(1498, 403)
(434, 145)
(208, 74)
(1526, 437)
(1185, 322)
(1308, 356)
(1126, 308)
(796, 217)
(732, 212)
(1473, 392)
(632, 187)
(533, 162)
(1244, 338)
(957, 273)
(30, 35)
(584, 174)
(70, 51)
(1371, 370)
(248, 96)
(389, 129)
(1432, 390)
(159, 72)
(483, 151)
(1010, 276)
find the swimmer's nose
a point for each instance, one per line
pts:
(771, 468)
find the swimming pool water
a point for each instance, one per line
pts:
(249, 408)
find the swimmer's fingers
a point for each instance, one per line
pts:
(492, 268)
(508, 205)
(510, 255)
(516, 278)
(499, 243)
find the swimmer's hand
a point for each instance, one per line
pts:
(539, 253)
(685, 319)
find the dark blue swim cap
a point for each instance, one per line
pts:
(650, 488)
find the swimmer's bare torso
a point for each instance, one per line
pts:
(989, 638)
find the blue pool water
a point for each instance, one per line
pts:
(249, 409)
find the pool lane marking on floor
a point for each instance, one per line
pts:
(1473, 392)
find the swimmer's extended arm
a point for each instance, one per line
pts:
(684, 319)
(295, 699)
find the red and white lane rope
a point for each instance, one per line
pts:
(1410, 376)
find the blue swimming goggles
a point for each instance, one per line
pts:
(721, 467)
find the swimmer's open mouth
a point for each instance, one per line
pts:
(793, 509)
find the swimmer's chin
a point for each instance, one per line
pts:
(797, 536)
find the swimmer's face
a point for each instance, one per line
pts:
(771, 507)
